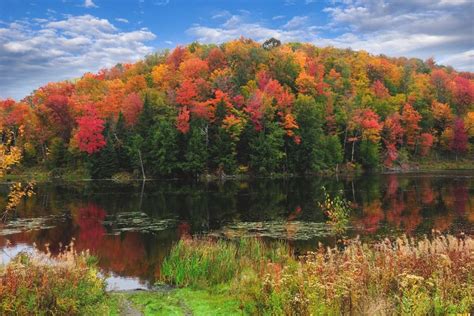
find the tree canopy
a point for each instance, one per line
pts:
(268, 108)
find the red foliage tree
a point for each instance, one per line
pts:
(186, 93)
(182, 122)
(255, 109)
(215, 59)
(460, 137)
(12, 114)
(193, 68)
(426, 141)
(393, 135)
(132, 106)
(89, 132)
(411, 118)
(59, 114)
(379, 90)
(177, 56)
(463, 94)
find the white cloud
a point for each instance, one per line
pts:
(463, 60)
(416, 28)
(161, 2)
(296, 22)
(63, 49)
(278, 17)
(237, 26)
(221, 14)
(121, 20)
(89, 4)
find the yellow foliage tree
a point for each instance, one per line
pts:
(469, 123)
(10, 155)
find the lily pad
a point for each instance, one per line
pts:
(19, 225)
(137, 222)
(289, 230)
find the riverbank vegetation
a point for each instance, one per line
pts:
(422, 276)
(39, 284)
(402, 276)
(244, 108)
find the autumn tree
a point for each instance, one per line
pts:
(393, 137)
(89, 131)
(459, 140)
(410, 119)
(277, 107)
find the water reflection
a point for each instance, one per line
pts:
(131, 228)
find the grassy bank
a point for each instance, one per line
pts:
(37, 284)
(249, 277)
(404, 276)
(439, 165)
(42, 174)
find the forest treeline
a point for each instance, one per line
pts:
(245, 107)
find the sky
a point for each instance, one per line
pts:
(52, 40)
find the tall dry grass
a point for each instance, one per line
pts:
(403, 276)
(39, 284)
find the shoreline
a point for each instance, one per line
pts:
(42, 176)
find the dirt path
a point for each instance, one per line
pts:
(127, 308)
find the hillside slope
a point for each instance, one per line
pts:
(242, 106)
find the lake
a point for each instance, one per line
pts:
(132, 227)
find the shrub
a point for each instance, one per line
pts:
(406, 276)
(337, 209)
(34, 283)
(403, 276)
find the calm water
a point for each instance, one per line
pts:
(131, 227)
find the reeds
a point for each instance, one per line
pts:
(38, 284)
(205, 262)
(402, 276)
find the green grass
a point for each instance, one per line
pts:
(206, 263)
(181, 302)
(431, 164)
(43, 174)
(404, 276)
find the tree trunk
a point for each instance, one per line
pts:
(352, 155)
(345, 142)
(141, 164)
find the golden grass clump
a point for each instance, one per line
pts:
(68, 284)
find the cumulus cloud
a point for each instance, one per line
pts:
(296, 22)
(34, 54)
(89, 4)
(442, 29)
(235, 26)
(417, 28)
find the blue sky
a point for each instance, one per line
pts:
(43, 41)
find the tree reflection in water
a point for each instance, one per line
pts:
(383, 205)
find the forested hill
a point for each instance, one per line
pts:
(246, 107)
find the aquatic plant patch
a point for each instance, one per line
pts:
(19, 225)
(288, 230)
(136, 221)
